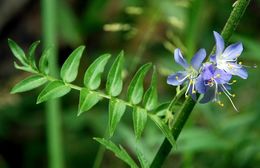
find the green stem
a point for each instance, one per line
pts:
(55, 152)
(189, 104)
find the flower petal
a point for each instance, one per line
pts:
(209, 95)
(193, 95)
(213, 58)
(198, 58)
(177, 78)
(179, 58)
(200, 86)
(207, 71)
(219, 43)
(237, 69)
(221, 76)
(233, 51)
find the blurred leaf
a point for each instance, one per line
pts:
(139, 120)
(29, 83)
(69, 24)
(116, 111)
(135, 89)
(164, 128)
(119, 152)
(92, 78)
(53, 90)
(151, 97)
(17, 51)
(143, 161)
(114, 83)
(31, 54)
(87, 100)
(69, 69)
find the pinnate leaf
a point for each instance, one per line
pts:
(53, 90)
(29, 83)
(120, 152)
(87, 100)
(17, 51)
(139, 120)
(92, 78)
(151, 97)
(164, 128)
(116, 111)
(114, 83)
(136, 89)
(69, 69)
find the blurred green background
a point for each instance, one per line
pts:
(148, 31)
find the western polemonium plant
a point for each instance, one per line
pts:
(144, 104)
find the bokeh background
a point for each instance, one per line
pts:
(148, 31)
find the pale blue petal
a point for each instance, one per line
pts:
(172, 80)
(241, 72)
(200, 86)
(233, 51)
(221, 76)
(207, 71)
(179, 58)
(219, 43)
(198, 58)
(213, 58)
(193, 95)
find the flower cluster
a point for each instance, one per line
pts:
(210, 78)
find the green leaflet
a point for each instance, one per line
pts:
(92, 78)
(151, 97)
(69, 69)
(87, 100)
(31, 54)
(17, 51)
(53, 90)
(139, 120)
(29, 83)
(43, 62)
(24, 68)
(120, 152)
(164, 128)
(116, 111)
(143, 161)
(114, 83)
(135, 89)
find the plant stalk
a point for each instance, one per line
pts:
(189, 104)
(53, 116)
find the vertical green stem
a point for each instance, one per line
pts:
(189, 104)
(55, 152)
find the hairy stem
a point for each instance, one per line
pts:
(54, 137)
(189, 104)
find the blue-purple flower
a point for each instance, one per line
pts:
(212, 82)
(190, 72)
(226, 59)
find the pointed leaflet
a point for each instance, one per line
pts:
(31, 54)
(119, 152)
(150, 96)
(87, 100)
(116, 111)
(114, 83)
(69, 69)
(92, 78)
(143, 161)
(24, 68)
(135, 89)
(139, 120)
(17, 51)
(53, 90)
(29, 83)
(43, 62)
(164, 128)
